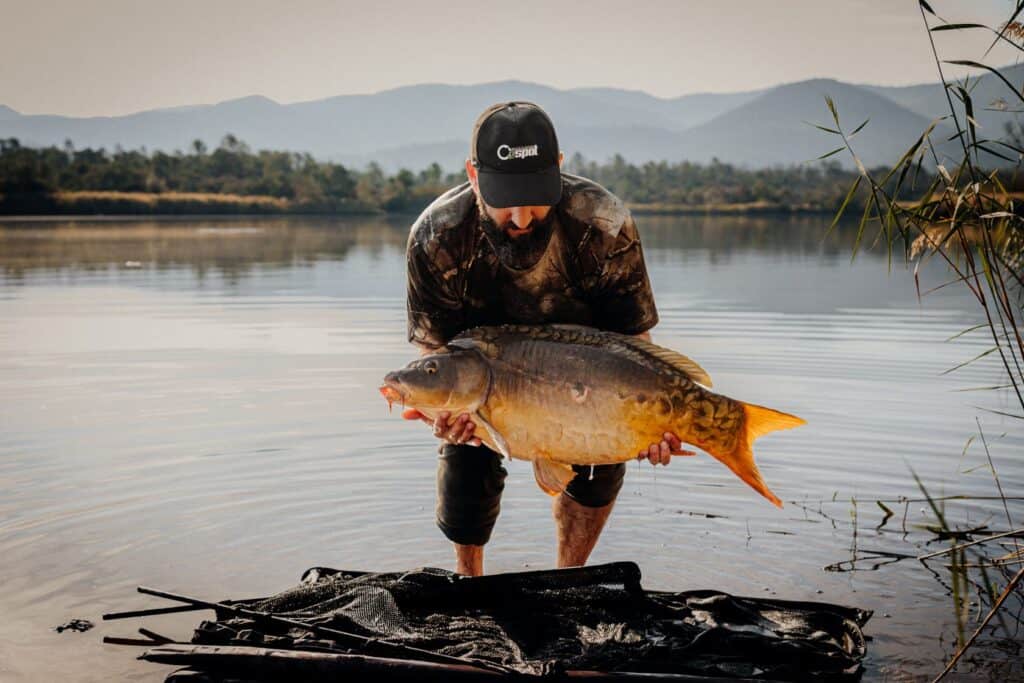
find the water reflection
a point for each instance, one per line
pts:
(234, 246)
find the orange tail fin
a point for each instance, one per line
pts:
(759, 421)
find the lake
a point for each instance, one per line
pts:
(192, 405)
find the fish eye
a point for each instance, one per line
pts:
(430, 367)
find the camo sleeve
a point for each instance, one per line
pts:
(622, 296)
(435, 314)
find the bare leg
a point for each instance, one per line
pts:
(469, 559)
(578, 528)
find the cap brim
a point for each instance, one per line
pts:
(502, 190)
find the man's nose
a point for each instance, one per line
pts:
(521, 216)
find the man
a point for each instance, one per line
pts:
(522, 242)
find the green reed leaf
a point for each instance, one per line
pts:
(826, 155)
(842, 207)
(824, 128)
(956, 27)
(979, 65)
(968, 362)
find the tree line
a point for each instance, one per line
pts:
(298, 181)
(230, 169)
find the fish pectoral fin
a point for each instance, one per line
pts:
(498, 439)
(552, 477)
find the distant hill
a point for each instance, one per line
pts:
(414, 126)
(675, 114)
(771, 128)
(991, 98)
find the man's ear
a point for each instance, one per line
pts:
(471, 173)
(561, 158)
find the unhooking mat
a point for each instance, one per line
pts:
(545, 623)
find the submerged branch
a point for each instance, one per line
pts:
(1014, 532)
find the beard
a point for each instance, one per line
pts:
(522, 252)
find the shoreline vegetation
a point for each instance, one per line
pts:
(234, 180)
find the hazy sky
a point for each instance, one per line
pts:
(100, 57)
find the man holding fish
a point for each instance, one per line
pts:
(522, 242)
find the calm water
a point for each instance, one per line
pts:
(193, 405)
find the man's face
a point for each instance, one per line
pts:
(515, 221)
(519, 234)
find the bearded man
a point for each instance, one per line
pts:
(522, 242)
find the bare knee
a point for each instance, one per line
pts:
(578, 527)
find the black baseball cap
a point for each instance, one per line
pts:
(515, 152)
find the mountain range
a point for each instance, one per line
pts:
(414, 126)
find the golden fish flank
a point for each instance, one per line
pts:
(563, 395)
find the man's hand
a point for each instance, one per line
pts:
(457, 431)
(661, 453)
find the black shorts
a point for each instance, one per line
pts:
(470, 480)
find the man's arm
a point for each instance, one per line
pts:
(620, 289)
(433, 309)
(434, 314)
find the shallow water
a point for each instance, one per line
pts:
(193, 405)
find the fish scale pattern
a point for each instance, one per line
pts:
(714, 420)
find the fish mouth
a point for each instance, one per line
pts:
(391, 390)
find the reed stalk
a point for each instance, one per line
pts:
(966, 217)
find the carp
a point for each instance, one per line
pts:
(563, 395)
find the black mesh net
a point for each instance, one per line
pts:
(549, 622)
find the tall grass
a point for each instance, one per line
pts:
(965, 216)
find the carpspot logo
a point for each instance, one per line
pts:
(505, 152)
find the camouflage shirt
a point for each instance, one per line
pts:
(592, 272)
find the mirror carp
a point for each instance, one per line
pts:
(563, 395)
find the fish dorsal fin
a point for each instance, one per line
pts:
(682, 363)
(552, 477)
(487, 340)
